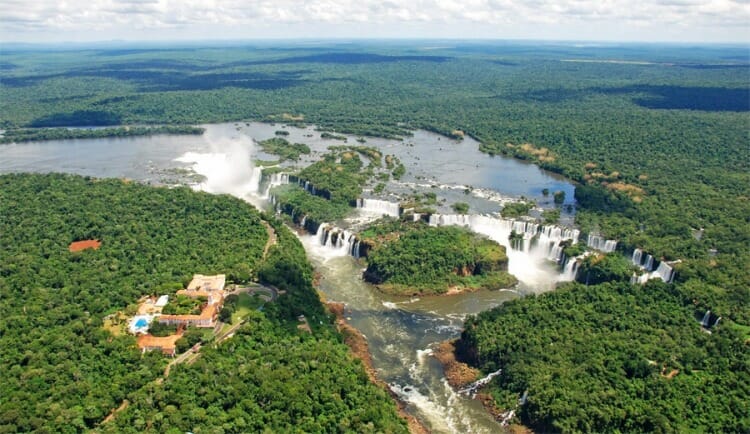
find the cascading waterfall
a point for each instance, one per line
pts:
(529, 263)
(338, 241)
(472, 388)
(271, 181)
(538, 240)
(706, 319)
(643, 260)
(597, 242)
(380, 207)
(664, 271)
(570, 268)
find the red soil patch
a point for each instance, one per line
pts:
(77, 246)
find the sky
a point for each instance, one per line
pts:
(192, 20)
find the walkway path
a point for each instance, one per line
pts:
(111, 415)
(271, 238)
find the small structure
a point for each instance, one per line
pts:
(162, 301)
(77, 246)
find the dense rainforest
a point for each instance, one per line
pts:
(613, 357)
(64, 368)
(655, 136)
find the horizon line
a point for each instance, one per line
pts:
(305, 39)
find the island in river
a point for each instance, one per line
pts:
(412, 258)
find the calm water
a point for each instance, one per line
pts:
(400, 331)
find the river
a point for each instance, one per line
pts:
(400, 331)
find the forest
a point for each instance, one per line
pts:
(412, 258)
(612, 357)
(269, 377)
(37, 134)
(66, 370)
(657, 141)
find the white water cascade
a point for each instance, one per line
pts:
(706, 319)
(570, 268)
(271, 181)
(600, 243)
(379, 207)
(642, 259)
(664, 271)
(530, 262)
(337, 241)
(474, 387)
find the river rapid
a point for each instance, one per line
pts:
(401, 332)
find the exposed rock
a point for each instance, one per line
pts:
(457, 373)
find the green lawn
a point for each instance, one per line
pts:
(245, 305)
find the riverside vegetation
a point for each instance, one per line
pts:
(36, 134)
(659, 146)
(54, 302)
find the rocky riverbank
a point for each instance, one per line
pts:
(459, 375)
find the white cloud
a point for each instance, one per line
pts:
(434, 18)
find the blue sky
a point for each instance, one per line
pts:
(598, 20)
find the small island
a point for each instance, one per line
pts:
(412, 258)
(42, 134)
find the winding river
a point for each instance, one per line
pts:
(400, 331)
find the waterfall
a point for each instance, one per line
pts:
(529, 263)
(472, 388)
(379, 207)
(540, 241)
(338, 241)
(597, 242)
(522, 400)
(642, 260)
(271, 181)
(664, 271)
(354, 246)
(706, 319)
(225, 170)
(646, 263)
(570, 269)
(716, 322)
